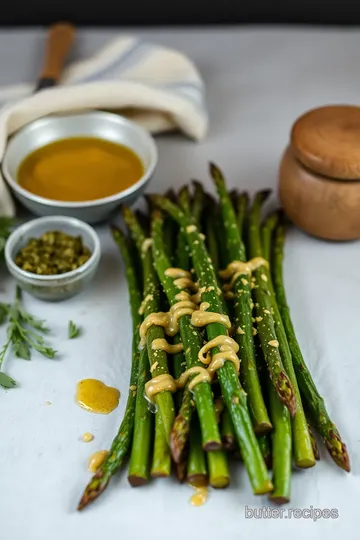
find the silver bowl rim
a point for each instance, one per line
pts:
(96, 202)
(25, 228)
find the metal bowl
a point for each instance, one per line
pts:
(53, 287)
(111, 127)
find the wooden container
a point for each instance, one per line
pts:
(319, 178)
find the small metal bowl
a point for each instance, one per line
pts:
(103, 125)
(62, 286)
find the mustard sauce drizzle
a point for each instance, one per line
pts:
(188, 304)
(235, 269)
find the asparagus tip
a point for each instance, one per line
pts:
(286, 392)
(337, 450)
(179, 438)
(92, 491)
(180, 469)
(215, 172)
(197, 185)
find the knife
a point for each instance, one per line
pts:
(59, 42)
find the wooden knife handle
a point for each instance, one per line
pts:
(59, 41)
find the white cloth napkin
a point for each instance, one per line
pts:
(159, 88)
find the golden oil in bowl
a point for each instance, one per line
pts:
(79, 169)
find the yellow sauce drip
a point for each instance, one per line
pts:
(184, 307)
(147, 299)
(200, 496)
(186, 283)
(96, 460)
(196, 298)
(80, 169)
(219, 359)
(202, 318)
(243, 267)
(96, 397)
(203, 375)
(219, 341)
(236, 269)
(228, 348)
(168, 320)
(148, 242)
(204, 306)
(154, 319)
(87, 437)
(176, 273)
(162, 345)
(160, 384)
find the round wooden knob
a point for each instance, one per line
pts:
(327, 141)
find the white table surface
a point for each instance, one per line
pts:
(258, 81)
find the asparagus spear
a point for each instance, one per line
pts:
(219, 475)
(178, 366)
(181, 427)
(192, 344)
(314, 403)
(157, 358)
(197, 474)
(242, 203)
(264, 444)
(228, 436)
(281, 448)
(242, 307)
(266, 324)
(233, 393)
(161, 464)
(210, 234)
(302, 446)
(314, 444)
(122, 440)
(198, 202)
(138, 473)
(185, 199)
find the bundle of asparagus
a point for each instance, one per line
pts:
(206, 292)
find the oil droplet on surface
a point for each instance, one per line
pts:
(200, 496)
(87, 437)
(96, 460)
(96, 397)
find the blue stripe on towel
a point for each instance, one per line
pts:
(128, 58)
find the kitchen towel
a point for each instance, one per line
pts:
(159, 88)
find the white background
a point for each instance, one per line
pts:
(258, 82)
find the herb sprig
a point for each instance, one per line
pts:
(73, 331)
(24, 333)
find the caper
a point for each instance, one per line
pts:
(53, 253)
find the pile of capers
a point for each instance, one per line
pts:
(53, 253)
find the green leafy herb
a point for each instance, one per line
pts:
(22, 335)
(74, 331)
(6, 381)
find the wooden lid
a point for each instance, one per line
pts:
(327, 141)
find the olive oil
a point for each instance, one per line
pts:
(80, 169)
